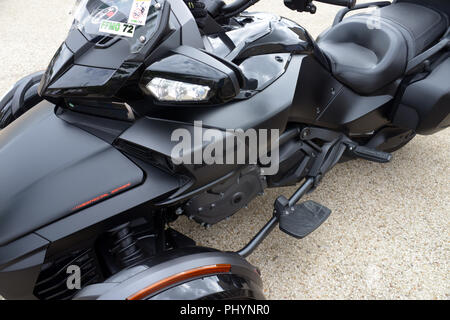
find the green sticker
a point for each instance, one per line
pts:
(117, 28)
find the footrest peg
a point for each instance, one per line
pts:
(370, 154)
(302, 219)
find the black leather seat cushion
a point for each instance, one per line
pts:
(421, 26)
(367, 59)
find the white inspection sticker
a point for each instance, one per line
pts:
(117, 28)
(139, 12)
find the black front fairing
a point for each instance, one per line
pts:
(98, 65)
(69, 167)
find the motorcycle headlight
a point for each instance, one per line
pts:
(190, 76)
(170, 90)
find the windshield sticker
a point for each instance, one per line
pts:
(139, 12)
(117, 28)
(104, 14)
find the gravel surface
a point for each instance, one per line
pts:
(388, 235)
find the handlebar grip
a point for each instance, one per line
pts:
(344, 3)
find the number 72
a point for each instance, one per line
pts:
(128, 28)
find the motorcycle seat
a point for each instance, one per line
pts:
(368, 52)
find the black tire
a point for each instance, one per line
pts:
(21, 98)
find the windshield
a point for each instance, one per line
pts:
(104, 20)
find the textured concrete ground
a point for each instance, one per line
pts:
(388, 235)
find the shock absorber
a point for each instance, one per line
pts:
(125, 248)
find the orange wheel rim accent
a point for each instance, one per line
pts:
(180, 277)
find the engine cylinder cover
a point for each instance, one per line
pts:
(227, 198)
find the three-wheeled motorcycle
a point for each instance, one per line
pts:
(88, 181)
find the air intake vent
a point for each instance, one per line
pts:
(147, 155)
(107, 41)
(135, 150)
(52, 281)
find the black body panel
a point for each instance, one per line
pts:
(20, 263)
(258, 78)
(425, 105)
(53, 169)
(268, 109)
(261, 34)
(156, 185)
(150, 139)
(322, 100)
(278, 36)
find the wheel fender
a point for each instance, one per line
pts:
(182, 276)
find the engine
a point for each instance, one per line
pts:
(224, 200)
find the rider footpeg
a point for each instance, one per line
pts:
(370, 154)
(302, 219)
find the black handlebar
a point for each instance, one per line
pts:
(344, 3)
(238, 5)
(308, 6)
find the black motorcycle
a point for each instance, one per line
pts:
(89, 183)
